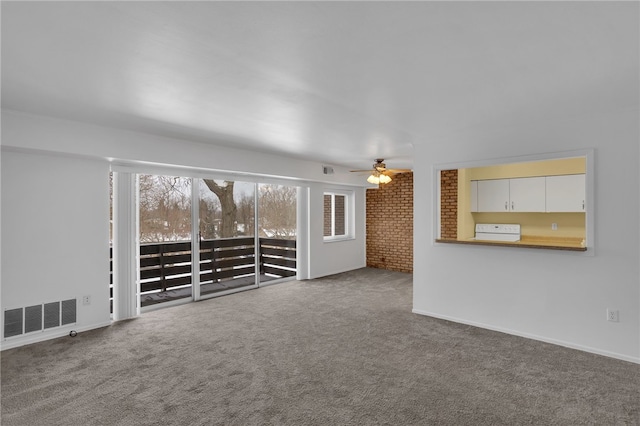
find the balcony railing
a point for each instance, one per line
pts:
(166, 266)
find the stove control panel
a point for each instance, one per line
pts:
(493, 228)
(498, 232)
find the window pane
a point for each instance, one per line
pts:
(165, 209)
(165, 238)
(277, 231)
(227, 243)
(277, 211)
(226, 209)
(327, 215)
(340, 201)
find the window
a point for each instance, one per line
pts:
(335, 216)
(549, 197)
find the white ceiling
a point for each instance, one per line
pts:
(335, 82)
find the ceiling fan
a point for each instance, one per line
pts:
(380, 174)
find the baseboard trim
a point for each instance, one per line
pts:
(339, 271)
(15, 342)
(531, 336)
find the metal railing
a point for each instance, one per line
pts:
(167, 265)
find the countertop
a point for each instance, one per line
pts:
(570, 244)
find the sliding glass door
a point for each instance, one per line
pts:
(227, 235)
(277, 231)
(244, 235)
(165, 238)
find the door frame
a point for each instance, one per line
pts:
(126, 274)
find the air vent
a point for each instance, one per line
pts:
(39, 317)
(68, 311)
(51, 314)
(12, 322)
(32, 318)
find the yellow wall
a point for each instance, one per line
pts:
(466, 221)
(570, 225)
(563, 166)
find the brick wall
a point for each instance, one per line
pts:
(449, 204)
(327, 215)
(390, 225)
(340, 201)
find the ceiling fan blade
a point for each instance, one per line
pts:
(397, 171)
(379, 168)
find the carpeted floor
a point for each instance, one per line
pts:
(342, 350)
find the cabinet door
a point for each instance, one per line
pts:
(527, 194)
(493, 195)
(474, 195)
(566, 193)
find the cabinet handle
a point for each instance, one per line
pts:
(582, 204)
(506, 205)
(512, 207)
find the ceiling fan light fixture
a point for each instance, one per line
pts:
(380, 174)
(378, 178)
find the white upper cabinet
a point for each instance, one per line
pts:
(474, 195)
(527, 194)
(534, 194)
(566, 193)
(493, 195)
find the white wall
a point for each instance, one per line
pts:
(332, 257)
(49, 134)
(55, 236)
(55, 194)
(554, 296)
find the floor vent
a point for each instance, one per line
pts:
(39, 317)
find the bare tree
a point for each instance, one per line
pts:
(246, 212)
(277, 211)
(165, 204)
(209, 217)
(165, 208)
(228, 207)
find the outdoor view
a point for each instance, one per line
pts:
(226, 232)
(226, 209)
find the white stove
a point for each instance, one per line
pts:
(498, 232)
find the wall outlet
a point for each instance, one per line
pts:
(612, 315)
(86, 300)
(554, 226)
